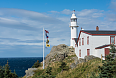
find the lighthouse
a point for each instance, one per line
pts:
(73, 27)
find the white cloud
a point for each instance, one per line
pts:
(66, 11)
(28, 25)
(113, 5)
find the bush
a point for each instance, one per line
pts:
(36, 64)
(63, 66)
(49, 70)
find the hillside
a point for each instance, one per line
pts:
(77, 68)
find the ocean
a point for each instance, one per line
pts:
(20, 64)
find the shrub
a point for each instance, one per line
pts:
(36, 64)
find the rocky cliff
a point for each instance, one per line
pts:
(58, 53)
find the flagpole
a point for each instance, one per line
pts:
(43, 47)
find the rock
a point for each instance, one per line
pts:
(82, 60)
(75, 59)
(30, 72)
(58, 53)
(73, 65)
(86, 58)
(89, 57)
(77, 62)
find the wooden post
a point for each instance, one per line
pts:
(101, 57)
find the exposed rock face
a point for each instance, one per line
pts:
(58, 53)
(30, 72)
(89, 57)
(76, 61)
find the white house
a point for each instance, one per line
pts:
(91, 42)
(94, 42)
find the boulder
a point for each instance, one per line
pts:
(86, 58)
(75, 59)
(82, 60)
(89, 57)
(30, 72)
(73, 65)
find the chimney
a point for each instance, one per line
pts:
(97, 28)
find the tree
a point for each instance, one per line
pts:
(14, 75)
(109, 65)
(36, 64)
(1, 72)
(63, 65)
(7, 73)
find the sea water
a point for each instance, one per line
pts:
(20, 64)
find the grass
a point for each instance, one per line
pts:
(81, 71)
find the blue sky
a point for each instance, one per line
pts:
(22, 22)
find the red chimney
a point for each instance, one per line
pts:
(97, 28)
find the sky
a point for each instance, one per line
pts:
(22, 22)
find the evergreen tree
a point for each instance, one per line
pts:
(14, 75)
(36, 64)
(7, 73)
(1, 72)
(63, 65)
(109, 65)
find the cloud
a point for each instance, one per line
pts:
(113, 5)
(11, 23)
(111, 14)
(54, 11)
(23, 28)
(29, 15)
(13, 41)
(66, 11)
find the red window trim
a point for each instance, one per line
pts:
(88, 50)
(80, 53)
(110, 39)
(87, 39)
(82, 41)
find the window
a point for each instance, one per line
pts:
(73, 20)
(79, 53)
(88, 40)
(72, 27)
(112, 39)
(79, 41)
(88, 52)
(82, 41)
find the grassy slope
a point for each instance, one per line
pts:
(81, 71)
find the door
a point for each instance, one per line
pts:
(88, 52)
(106, 51)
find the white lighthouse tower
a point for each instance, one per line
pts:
(73, 29)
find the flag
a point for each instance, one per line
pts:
(47, 41)
(47, 45)
(46, 31)
(46, 35)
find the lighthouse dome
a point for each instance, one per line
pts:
(73, 16)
